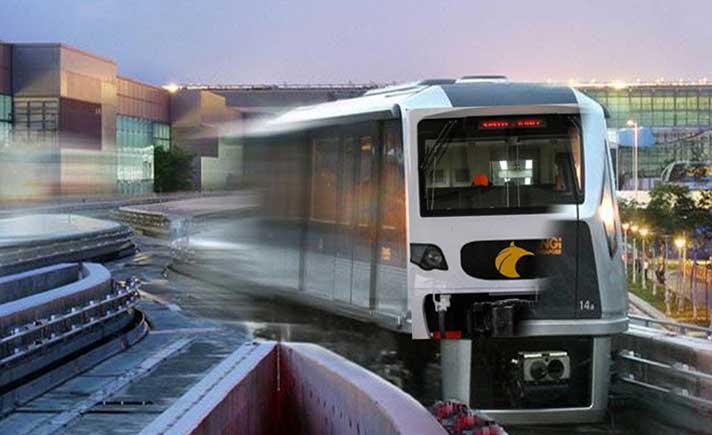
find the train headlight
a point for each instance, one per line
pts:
(607, 213)
(544, 367)
(428, 257)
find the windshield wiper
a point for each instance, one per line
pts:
(439, 147)
(433, 156)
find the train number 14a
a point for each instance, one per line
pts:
(586, 305)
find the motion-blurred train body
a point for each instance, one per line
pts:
(476, 209)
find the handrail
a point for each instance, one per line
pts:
(678, 368)
(636, 360)
(683, 328)
(39, 327)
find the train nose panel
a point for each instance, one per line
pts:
(502, 259)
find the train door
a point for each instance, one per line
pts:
(392, 279)
(319, 239)
(345, 216)
(365, 204)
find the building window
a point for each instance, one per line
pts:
(35, 120)
(134, 146)
(162, 135)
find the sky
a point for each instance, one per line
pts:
(321, 41)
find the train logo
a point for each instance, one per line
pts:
(551, 246)
(507, 259)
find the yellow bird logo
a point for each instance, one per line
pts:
(507, 259)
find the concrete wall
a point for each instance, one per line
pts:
(200, 120)
(35, 70)
(143, 101)
(94, 284)
(25, 284)
(222, 172)
(91, 79)
(295, 388)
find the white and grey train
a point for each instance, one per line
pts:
(469, 209)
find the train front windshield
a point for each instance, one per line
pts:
(501, 165)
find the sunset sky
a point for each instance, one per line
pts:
(319, 41)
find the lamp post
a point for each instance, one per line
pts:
(625, 226)
(634, 125)
(643, 233)
(634, 230)
(680, 244)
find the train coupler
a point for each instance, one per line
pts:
(495, 318)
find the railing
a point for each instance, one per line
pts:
(679, 328)
(675, 379)
(41, 333)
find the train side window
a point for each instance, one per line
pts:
(393, 181)
(346, 203)
(324, 178)
(365, 180)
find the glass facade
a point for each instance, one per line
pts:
(162, 135)
(678, 120)
(136, 139)
(35, 120)
(5, 120)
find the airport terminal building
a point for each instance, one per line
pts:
(69, 124)
(674, 122)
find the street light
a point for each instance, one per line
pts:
(626, 227)
(680, 243)
(634, 125)
(634, 230)
(643, 233)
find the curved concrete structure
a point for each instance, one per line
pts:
(94, 284)
(41, 228)
(33, 241)
(295, 388)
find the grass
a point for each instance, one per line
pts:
(646, 294)
(658, 301)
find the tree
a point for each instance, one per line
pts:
(173, 171)
(672, 209)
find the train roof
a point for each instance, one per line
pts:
(441, 93)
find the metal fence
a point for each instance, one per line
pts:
(675, 327)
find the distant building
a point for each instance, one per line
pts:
(675, 122)
(70, 125)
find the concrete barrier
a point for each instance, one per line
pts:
(18, 286)
(35, 241)
(668, 375)
(681, 351)
(94, 284)
(268, 388)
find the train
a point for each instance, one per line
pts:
(477, 210)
